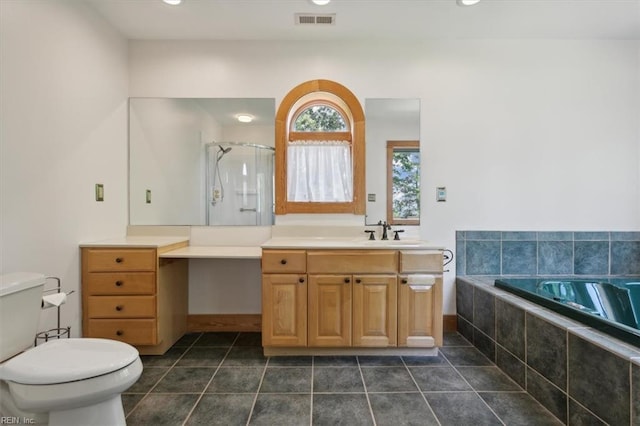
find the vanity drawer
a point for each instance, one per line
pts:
(133, 331)
(412, 261)
(284, 261)
(352, 261)
(121, 260)
(122, 306)
(121, 283)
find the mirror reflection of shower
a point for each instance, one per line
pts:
(218, 190)
(239, 188)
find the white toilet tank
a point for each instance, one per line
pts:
(20, 302)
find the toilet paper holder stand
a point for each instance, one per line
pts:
(57, 332)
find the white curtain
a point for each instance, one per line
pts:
(321, 172)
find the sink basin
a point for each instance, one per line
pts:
(393, 243)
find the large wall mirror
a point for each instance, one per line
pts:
(196, 161)
(393, 160)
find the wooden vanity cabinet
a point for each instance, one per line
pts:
(374, 310)
(284, 298)
(420, 305)
(330, 310)
(351, 298)
(131, 295)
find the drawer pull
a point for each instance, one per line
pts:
(283, 261)
(119, 283)
(119, 308)
(119, 260)
(119, 333)
(301, 280)
(347, 280)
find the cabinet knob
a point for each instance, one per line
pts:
(119, 260)
(119, 308)
(119, 333)
(347, 280)
(119, 283)
(404, 281)
(300, 280)
(283, 261)
(358, 280)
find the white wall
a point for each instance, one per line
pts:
(525, 135)
(64, 83)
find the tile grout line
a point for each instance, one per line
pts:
(204, 390)
(255, 398)
(163, 376)
(366, 392)
(474, 390)
(420, 390)
(311, 396)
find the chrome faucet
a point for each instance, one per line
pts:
(385, 228)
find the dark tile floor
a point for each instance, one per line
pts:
(223, 379)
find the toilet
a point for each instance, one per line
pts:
(75, 381)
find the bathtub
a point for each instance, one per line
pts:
(611, 305)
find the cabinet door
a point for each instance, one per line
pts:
(329, 310)
(374, 310)
(419, 314)
(284, 310)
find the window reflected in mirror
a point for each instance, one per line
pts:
(403, 182)
(393, 120)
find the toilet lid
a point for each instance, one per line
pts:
(68, 360)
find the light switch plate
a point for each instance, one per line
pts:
(441, 194)
(99, 192)
(371, 197)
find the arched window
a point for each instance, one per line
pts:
(320, 147)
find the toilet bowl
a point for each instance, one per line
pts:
(73, 381)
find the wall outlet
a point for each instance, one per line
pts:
(99, 192)
(371, 197)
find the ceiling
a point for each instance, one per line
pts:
(373, 20)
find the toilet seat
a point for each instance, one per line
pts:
(68, 360)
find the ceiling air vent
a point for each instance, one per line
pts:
(312, 19)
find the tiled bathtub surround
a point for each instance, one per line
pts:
(547, 253)
(582, 376)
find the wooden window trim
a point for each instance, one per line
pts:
(320, 136)
(357, 206)
(391, 147)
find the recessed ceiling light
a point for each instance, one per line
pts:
(467, 2)
(172, 2)
(320, 2)
(244, 118)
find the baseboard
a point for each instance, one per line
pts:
(224, 322)
(253, 322)
(450, 323)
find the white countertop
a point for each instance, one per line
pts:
(346, 243)
(136, 241)
(214, 252)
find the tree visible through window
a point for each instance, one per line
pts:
(320, 118)
(403, 182)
